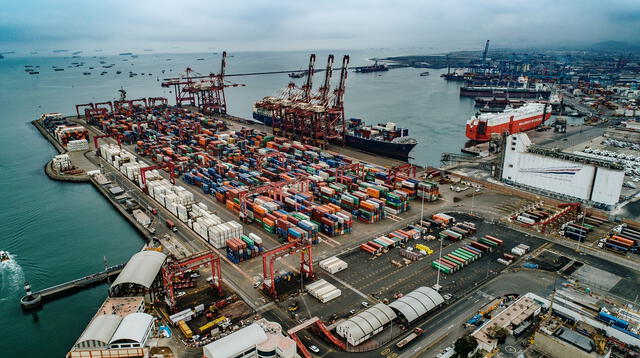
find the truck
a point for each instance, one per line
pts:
(171, 225)
(476, 320)
(408, 339)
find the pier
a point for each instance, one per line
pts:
(36, 299)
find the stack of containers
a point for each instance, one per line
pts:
(397, 202)
(77, 145)
(244, 247)
(428, 190)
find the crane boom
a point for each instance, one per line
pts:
(339, 91)
(307, 86)
(486, 50)
(324, 90)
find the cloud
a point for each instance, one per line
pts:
(303, 24)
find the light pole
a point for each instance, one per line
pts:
(439, 258)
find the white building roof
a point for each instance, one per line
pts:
(417, 303)
(366, 322)
(236, 342)
(142, 269)
(100, 329)
(132, 328)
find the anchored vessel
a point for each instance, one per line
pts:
(481, 126)
(384, 139)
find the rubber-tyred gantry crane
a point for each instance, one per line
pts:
(169, 166)
(273, 190)
(404, 171)
(172, 269)
(269, 258)
(96, 144)
(84, 105)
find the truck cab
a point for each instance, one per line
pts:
(171, 225)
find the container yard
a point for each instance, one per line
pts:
(277, 225)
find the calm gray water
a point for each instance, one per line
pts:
(58, 231)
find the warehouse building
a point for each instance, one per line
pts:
(139, 274)
(518, 314)
(417, 303)
(261, 339)
(119, 328)
(366, 324)
(566, 176)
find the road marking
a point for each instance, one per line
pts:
(350, 287)
(327, 242)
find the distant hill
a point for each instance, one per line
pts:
(615, 46)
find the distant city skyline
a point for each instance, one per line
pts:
(199, 26)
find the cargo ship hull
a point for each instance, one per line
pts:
(503, 92)
(481, 129)
(388, 149)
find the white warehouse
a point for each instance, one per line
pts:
(569, 176)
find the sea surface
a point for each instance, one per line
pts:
(57, 232)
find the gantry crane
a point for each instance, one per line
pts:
(183, 88)
(269, 258)
(274, 190)
(172, 269)
(485, 52)
(107, 103)
(153, 101)
(85, 105)
(306, 88)
(96, 144)
(326, 86)
(164, 165)
(403, 171)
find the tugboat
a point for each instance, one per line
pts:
(4, 256)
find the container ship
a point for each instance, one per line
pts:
(384, 139)
(481, 126)
(502, 90)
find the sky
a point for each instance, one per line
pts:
(263, 25)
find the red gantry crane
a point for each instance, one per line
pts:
(171, 169)
(201, 260)
(269, 258)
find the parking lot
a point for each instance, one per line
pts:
(372, 279)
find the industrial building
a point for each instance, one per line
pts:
(406, 309)
(517, 315)
(417, 303)
(366, 324)
(139, 273)
(119, 328)
(260, 339)
(567, 176)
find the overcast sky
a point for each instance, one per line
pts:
(245, 25)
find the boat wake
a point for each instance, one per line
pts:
(11, 278)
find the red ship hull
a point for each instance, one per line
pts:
(482, 132)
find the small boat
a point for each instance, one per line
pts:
(297, 74)
(4, 256)
(58, 69)
(103, 73)
(86, 73)
(423, 74)
(118, 72)
(34, 72)
(199, 59)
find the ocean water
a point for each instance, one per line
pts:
(60, 231)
